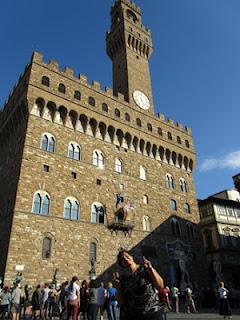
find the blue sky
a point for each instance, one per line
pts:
(195, 66)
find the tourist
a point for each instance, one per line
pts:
(45, 300)
(36, 302)
(26, 300)
(63, 300)
(101, 298)
(93, 300)
(175, 298)
(5, 300)
(83, 299)
(16, 297)
(190, 301)
(73, 299)
(225, 309)
(112, 301)
(138, 289)
(164, 299)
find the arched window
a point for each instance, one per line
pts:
(47, 142)
(97, 213)
(117, 113)
(145, 199)
(41, 203)
(104, 107)
(139, 122)
(118, 165)
(127, 117)
(98, 158)
(91, 101)
(187, 208)
(160, 133)
(146, 223)
(131, 15)
(143, 174)
(61, 88)
(175, 227)
(187, 143)
(71, 209)
(179, 140)
(74, 151)
(45, 81)
(46, 248)
(190, 231)
(183, 185)
(93, 252)
(77, 95)
(169, 181)
(149, 127)
(173, 205)
(169, 136)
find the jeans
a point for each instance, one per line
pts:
(111, 312)
(92, 311)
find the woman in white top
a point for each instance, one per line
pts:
(73, 299)
(224, 304)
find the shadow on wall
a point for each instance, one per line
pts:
(175, 249)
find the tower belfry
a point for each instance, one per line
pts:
(129, 45)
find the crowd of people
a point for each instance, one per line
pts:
(137, 294)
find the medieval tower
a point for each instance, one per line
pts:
(85, 171)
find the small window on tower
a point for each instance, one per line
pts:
(62, 88)
(139, 123)
(91, 101)
(131, 15)
(77, 95)
(45, 168)
(117, 113)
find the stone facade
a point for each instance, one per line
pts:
(114, 125)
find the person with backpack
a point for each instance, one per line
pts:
(112, 301)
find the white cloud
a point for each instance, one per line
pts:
(230, 161)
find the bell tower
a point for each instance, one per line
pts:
(129, 45)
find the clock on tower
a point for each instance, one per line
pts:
(129, 45)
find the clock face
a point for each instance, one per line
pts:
(141, 99)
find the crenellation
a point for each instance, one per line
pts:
(37, 57)
(83, 78)
(54, 65)
(171, 121)
(96, 85)
(109, 91)
(69, 72)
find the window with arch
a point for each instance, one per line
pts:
(179, 140)
(41, 203)
(138, 122)
(143, 173)
(46, 248)
(173, 204)
(145, 199)
(190, 231)
(48, 142)
(97, 213)
(187, 144)
(45, 81)
(98, 158)
(118, 165)
(74, 151)
(183, 185)
(93, 252)
(175, 227)
(149, 127)
(61, 88)
(160, 133)
(127, 117)
(104, 107)
(117, 113)
(131, 15)
(169, 181)
(187, 208)
(77, 95)
(169, 135)
(71, 209)
(91, 101)
(146, 223)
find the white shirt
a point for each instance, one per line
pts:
(45, 294)
(72, 294)
(223, 292)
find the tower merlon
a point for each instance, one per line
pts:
(130, 4)
(69, 71)
(96, 85)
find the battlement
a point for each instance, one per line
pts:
(130, 4)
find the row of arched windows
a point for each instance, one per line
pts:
(171, 185)
(176, 229)
(117, 112)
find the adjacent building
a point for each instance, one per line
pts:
(85, 170)
(220, 227)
